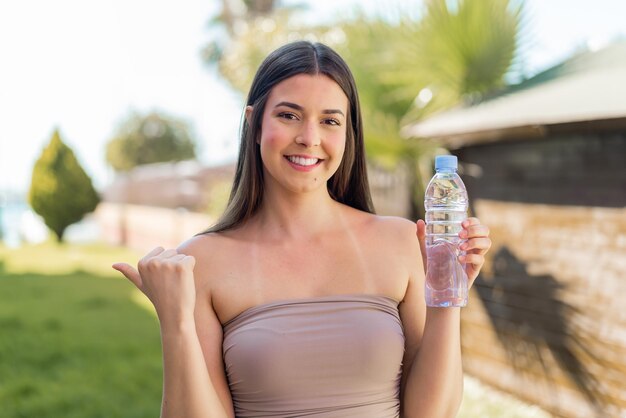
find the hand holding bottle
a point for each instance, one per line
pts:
(477, 244)
(166, 278)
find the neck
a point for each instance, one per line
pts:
(296, 216)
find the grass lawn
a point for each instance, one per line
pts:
(73, 342)
(78, 341)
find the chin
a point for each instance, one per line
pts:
(307, 188)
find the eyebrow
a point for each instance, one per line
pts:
(300, 108)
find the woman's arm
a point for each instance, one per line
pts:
(191, 389)
(432, 379)
(187, 388)
(434, 382)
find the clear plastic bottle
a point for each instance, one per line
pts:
(446, 208)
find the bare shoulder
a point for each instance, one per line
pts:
(199, 245)
(394, 234)
(387, 231)
(395, 224)
(396, 231)
(207, 249)
(394, 242)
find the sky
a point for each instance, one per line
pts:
(82, 67)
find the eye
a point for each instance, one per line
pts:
(287, 115)
(332, 121)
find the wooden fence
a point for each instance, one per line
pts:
(546, 320)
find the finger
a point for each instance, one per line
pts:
(153, 253)
(190, 261)
(130, 273)
(470, 221)
(475, 231)
(421, 237)
(177, 257)
(168, 253)
(472, 258)
(182, 259)
(481, 244)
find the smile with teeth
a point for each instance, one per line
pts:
(305, 162)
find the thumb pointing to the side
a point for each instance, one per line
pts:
(130, 273)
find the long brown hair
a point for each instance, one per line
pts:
(349, 184)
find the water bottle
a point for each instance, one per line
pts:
(446, 208)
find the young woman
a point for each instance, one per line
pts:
(301, 301)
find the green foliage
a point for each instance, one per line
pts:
(149, 139)
(457, 51)
(461, 52)
(60, 191)
(367, 50)
(238, 57)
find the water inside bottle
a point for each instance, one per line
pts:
(446, 279)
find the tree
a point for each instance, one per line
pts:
(149, 139)
(244, 33)
(60, 191)
(459, 52)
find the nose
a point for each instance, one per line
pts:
(309, 136)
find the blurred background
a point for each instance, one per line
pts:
(119, 125)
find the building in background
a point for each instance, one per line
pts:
(186, 184)
(545, 167)
(163, 204)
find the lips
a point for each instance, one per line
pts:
(303, 164)
(303, 161)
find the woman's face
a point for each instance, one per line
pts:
(303, 132)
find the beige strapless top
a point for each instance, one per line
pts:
(329, 356)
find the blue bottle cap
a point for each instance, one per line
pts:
(443, 162)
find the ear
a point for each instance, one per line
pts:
(248, 113)
(249, 110)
